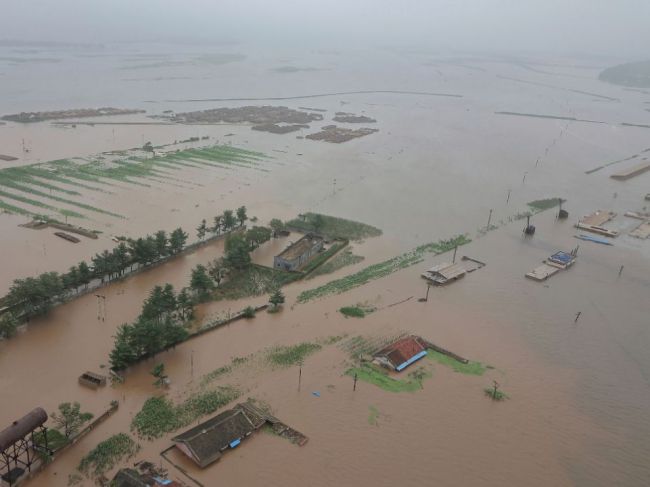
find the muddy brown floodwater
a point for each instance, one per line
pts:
(579, 392)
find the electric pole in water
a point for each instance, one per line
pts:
(299, 375)
(354, 387)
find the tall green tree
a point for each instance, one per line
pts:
(201, 230)
(177, 241)
(69, 418)
(216, 270)
(161, 244)
(237, 252)
(228, 220)
(85, 274)
(200, 282)
(241, 215)
(218, 224)
(277, 226)
(185, 304)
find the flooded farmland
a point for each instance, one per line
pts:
(438, 167)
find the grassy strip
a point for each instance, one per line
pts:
(357, 311)
(35, 192)
(545, 204)
(99, 170)
(40, 204)
(159, 415)
(377, 376)
(286, 356)
(320, 259)
(334, 227)
(14, 209)
(343, 259)
(470, 368)
(382, 269)
(373, 415)
(107, 454)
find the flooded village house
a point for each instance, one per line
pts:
(299, 253)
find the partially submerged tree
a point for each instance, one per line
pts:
(277, 226)
(217, 270)
(276, 298)
(8, 325)
(237, 252)
(159, 373)
(201, 230)
(228, 220)
(200, 282)
(69, 419)
(241, 215)
(177, 241)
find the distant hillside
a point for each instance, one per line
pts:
(629, 74)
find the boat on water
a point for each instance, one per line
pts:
(589, 238)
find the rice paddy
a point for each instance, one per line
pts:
(62, 186)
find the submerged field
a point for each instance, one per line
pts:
(61, 188)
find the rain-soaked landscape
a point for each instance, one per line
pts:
(394, 159)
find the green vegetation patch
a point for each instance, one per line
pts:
(334, 227)
(342, 259)
(253, 281)
(107, 169)
(107, 454)
(358, 311)
(159, 415)
(55, 441)
(321, 258)
(382, 269)
(495, 395)
(373, 415)
(545, 204)
(373, 374)
(470, 368)
(286, 356)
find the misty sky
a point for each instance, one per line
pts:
(608, 27)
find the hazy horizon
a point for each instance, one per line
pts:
(582, 27)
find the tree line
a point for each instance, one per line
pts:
(159, 327)
(34, 296)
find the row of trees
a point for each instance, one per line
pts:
(34, 296)
(159, 326)
(223, 223)
(164, 313)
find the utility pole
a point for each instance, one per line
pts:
(101, 307)
(354, 387)
(299, 375)
(577, 316)
(192, 364)
(620, 271)
(489, 219)
(455, 250)
(508, 198)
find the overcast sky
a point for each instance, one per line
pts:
(607, 27)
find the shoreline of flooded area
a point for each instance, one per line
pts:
(437, 168)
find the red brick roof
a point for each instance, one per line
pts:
(402, 350)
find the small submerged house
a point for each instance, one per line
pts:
(205, 443)
(445, 273)
(402, 353)
(299, 253)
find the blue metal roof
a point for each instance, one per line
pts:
(414, 358)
